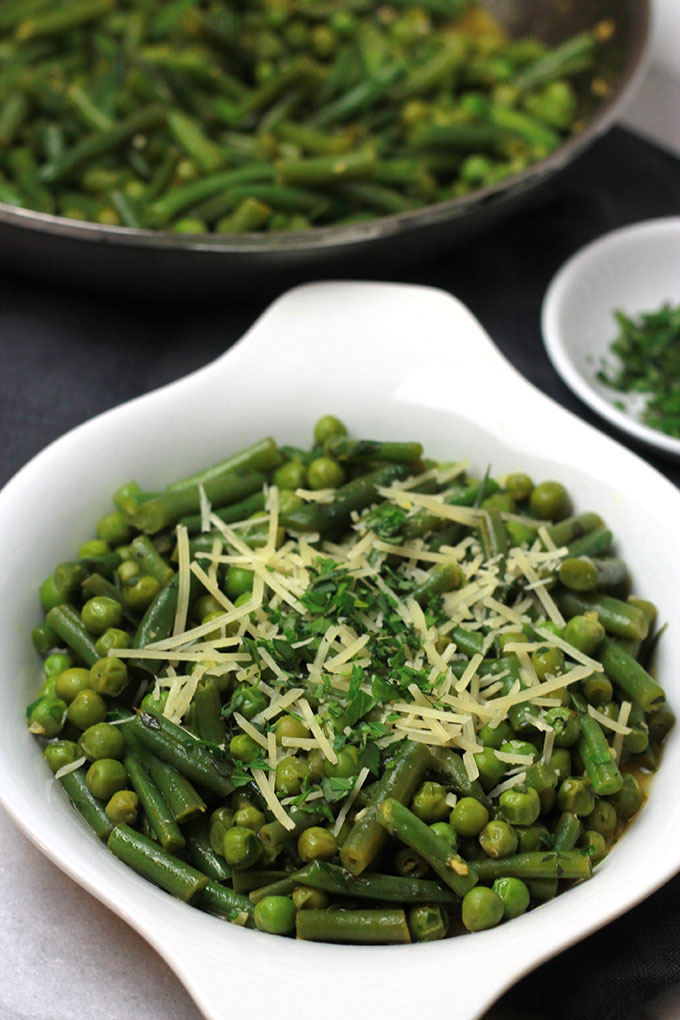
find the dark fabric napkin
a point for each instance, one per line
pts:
(65, 356)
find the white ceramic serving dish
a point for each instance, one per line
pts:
(393, 361)
(635, 269)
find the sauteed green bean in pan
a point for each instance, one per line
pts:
(207, 115)
(350, 693)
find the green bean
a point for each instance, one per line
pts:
(629, 675)
(89, 807)
(156, 864)
(102, 143)
(261, 456)
(182, 800)
(229, 514)
(440, 579)
(617, 617)
(585, 574)
(594, 543)
(361, 450)
(368, 927)
(356, 495)
(536, 864)
(201, 854)
(66, 622)
(592, 745)
(574, 54)
(154, 515)
(178, 748)
(163, 823)
(368, 835)
(449, 865)
(389, 888)
(567, 832)
(324, 170)
(572, 528)
(218, 899)
(207, 719)
(451, 765)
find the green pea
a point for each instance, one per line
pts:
(628, 801)
(410, 864)
(502, 501)
(565, 724)
(127, 571)
(102, 741)
(122, 807)
(520, 807)
(44, 638)
(56, 663)
(429, 802)
(154, 701)
(291, 475)
(241, 848)
(594, 844)
(140, 594)
(482, 908)
(494, 736)
(317, 844)
(446, 832)
(549, 501)
(238, 581)
(327, 427)
(575, 795)
(50, 596)
(248, 701)
(275, 914)
(602, 818)
(288, 501)
(325, 473)
(547, 662)
(522, 747)
(221, 820)
(250, 817)
(109, 676)
(560, 761)
(48, 688)
(95, 547)
(469, 817)
(114, 529)
(498, 839)
(532, 837)
(243, 748)
(315, 763)
(46, 716)
(205, 605)
(519, 485)
(112, 638)
(60, 753)
(427, 922)
(289, 726)
(290, 775)
(346, 766)
(71, 682)
(584, 633)
(514, 894)
(87, 709)
(597, 689)
(306, 898)
(105, 777)
(491, 768)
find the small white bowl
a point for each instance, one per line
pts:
(634, 269)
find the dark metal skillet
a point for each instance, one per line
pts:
(160, 264)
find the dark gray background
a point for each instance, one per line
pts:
(66, 355)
